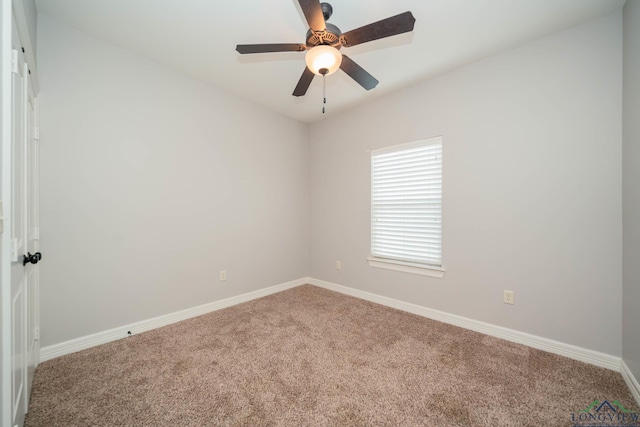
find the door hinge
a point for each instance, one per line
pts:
(36, 334)
(14, 61)
(2, 218)
(36, 133)
(14, 250)
(36, 233)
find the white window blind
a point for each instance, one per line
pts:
(406, 203)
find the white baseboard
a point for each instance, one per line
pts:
(631, 381)
(567, 350)
(83, 343)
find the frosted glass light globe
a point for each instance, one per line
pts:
(323, 58)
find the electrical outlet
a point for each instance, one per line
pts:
(338, 265)
(223, 275)
(509, 297)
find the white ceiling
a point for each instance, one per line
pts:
(199, 37)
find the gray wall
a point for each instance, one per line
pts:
(532, 188)
(152, 183)
(631, 189)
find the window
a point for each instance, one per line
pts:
(406, 208)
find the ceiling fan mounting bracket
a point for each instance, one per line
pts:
(327, 10)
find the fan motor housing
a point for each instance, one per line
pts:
(330, 36)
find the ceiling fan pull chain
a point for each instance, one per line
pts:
(324, 92)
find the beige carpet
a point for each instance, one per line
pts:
(311, 357)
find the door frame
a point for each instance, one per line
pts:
(6, 196)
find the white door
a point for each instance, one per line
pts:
(18, 239)
(31, 216)
(24, 236)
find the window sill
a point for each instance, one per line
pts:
(406, 267)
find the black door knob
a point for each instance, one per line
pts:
(31, 258)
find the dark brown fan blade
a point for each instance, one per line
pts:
(303, 83)
(313, 13)
(264, 48)
(398, 24)
(358, 73)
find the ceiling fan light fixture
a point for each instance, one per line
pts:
(323, 60)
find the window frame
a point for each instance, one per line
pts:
(406, 266)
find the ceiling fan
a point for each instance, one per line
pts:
(324, 40)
